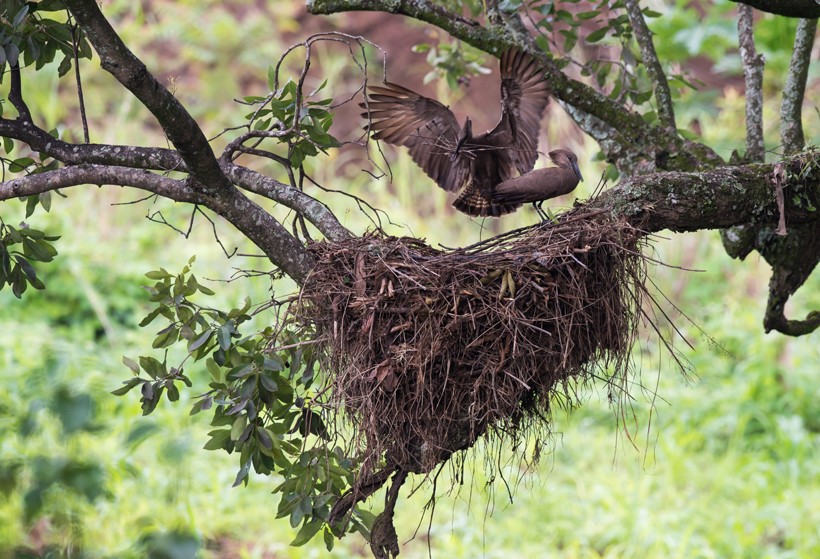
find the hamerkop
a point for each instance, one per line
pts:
(452, 156)
(541, 184)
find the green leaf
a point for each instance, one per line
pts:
(296, 157)
(597, 35)
(329, 539)
(224, 336)
(200, 341)
(131, 364)
(150, 318)
(242, 474)
(219, 438)
(27, 268)
(18, 17)
(45, 201)
(128, 385)
(238, 426)
(20, 164)
(588, 15)
(271, 77)
(64, 66)
(307, 532)
(570, 38)
(151, 366)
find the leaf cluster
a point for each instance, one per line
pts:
(263, 402)
(16, 269)
(303, 125)
(24, 30)
(454, 61)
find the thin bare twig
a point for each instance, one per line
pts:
(75, 42)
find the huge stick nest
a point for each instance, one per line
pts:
(430, 349)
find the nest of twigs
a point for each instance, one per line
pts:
(430, 349)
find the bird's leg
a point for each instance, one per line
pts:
(539, 211)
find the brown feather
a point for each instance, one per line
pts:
(472, 202)
(451, 155)
(541, 184)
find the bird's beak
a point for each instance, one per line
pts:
(576, 170)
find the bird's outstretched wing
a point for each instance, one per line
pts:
(524, 96)
(402, 117)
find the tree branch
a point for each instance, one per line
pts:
(666, 112)
(753, 76)
(180, 128)
(98, 174)
(634, 134)
(717, 199)
(159, 159)
(16, 94)
(283, 250)
(788, 8)
(315, 212)
(791, 109)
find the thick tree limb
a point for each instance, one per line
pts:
(743, 201)
(788, 8)
(99, 175)
(162, 159)
(159, 159)
(283, 250)
(180, 128)
(753, 76)
(792, 258)
(718, 198)
(791, 109)
(633, 131)
(666, 112)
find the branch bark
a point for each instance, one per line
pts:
(791, 109)
(283, 250)
(788, 8)
(666, 112)
(158, 159)
(753, 76)
(314, 211)
(718, 198)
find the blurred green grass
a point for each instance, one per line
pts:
(721, 464)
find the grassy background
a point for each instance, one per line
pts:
(722, 463)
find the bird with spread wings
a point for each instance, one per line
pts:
(451, 155)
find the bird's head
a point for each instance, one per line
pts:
(568, 160)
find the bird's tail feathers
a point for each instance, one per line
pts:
(473, 203)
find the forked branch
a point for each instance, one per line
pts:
(179, 126)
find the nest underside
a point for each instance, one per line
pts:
(430, 349)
